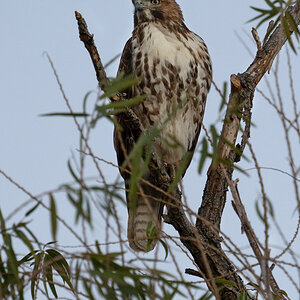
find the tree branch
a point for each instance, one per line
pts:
(203, 240)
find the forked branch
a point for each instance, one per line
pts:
(203, 240)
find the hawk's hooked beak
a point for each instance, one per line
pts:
(138, 5)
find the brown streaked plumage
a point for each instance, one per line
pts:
(175, 71)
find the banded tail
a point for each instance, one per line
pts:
(146, 215)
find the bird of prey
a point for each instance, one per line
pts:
(175, 73)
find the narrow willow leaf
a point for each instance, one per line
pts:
(139, 162)
(31, 210)
(206, 296)
(2, 223)
(33, 236)
(263, 11)
(118, 106)
(30, 256)
(55, 254)
(12, 263)
(50, 243)
(151, 235)
(165, 248)
(224, 96)
(146, 139)
(180, 170)
(225, 282)
(259, 213)
(53, 216)
(35, 273)
(283, 292)
(22, 236)
(232, 147)
(60, 265)
(88, 289)
(64, 114)
(271, 4)
(120, 84)
(204, 155)
(287, 31)
(293, 24)
(49, 274)
(215, 141)
(79, 206)
(112, 60)
(77, 274)
(85, 99)
(135, 178)
(270, 207)
(228, 163)
(73, 173)
(44, 280)
(243, 296)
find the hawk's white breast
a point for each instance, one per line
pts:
(171, 55)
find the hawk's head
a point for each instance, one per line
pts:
(152, 10)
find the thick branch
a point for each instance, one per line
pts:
(239, 105)
(203, 240)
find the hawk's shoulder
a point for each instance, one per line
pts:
(125, 66)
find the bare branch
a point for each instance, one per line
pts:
(203, 240)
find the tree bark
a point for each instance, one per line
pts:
(202, 239)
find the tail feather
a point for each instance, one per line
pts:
(146, 212)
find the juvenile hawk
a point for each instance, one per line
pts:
(175, 72)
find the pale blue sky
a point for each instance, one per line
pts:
(34, 150)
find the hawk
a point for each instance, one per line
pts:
(175, 73)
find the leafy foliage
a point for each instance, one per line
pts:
(99, 271)
(278, 9)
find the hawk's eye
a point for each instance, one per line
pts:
(155, 2)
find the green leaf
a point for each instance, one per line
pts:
(85, 99)
(64, 114)
(151, 233)
(283, 292)
(257, 208)
(61, 266)
(49, 274)
(139, 157)
(112, 60)
(293, 24)
(32, 235)
(243, 296)
(30, 256)
(12, 263)
(118, 106)
(204, 155)
(44, 280)
(35, 273)
(31, 210)
(87, 288)
(206, 296)
(22, 236)
(2, 224)
(225, 282)
(165, 247)
(287, 31)
(120, 84)
(224, 96)
(73, 173)
(53, 216)
(215, 141)
(270, 207)
(180, 171)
